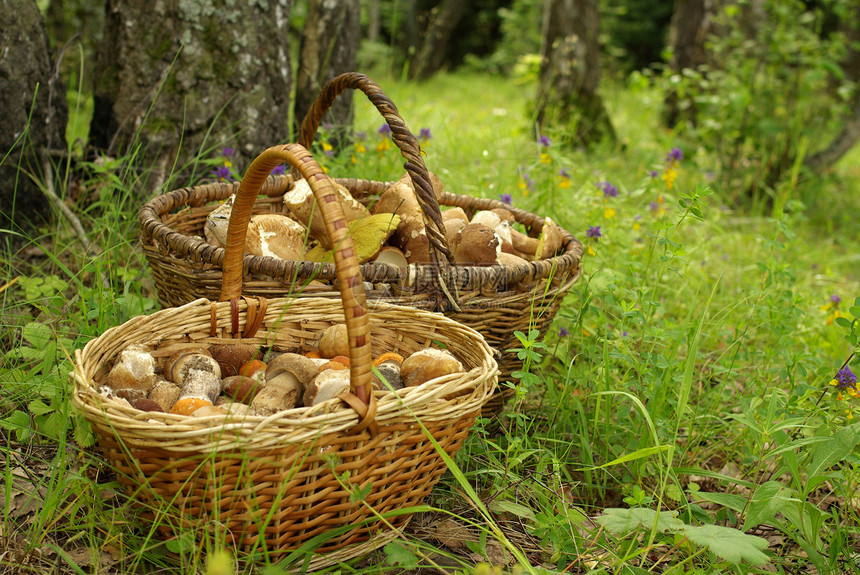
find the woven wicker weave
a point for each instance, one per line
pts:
(495, 300)
(286, 482)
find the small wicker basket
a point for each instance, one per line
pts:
(494, 300)
(286, 485)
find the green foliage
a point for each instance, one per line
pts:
(772, 93)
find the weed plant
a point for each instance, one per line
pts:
(691, 409)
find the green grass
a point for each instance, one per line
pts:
(683, 411)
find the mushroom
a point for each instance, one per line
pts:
(411, 235)
(334, 340)
(134, 371)
(540, 248)
(506, 259)
(240, 388)
(232, 357)
(505, 215)
(200, 388)
(286, 377)
(276, 236)
(455, 213)
(388, 366)
(327, 385)
(145, 404)
(427, 364)
(391, 256)
(182, 362)
(209, 411)
(301, 203)
(255, 369)
(476, 244)
(453, 227)
(217, 223)
(486, 217)
(165, 394)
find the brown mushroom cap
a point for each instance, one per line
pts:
(180, 363)
(233, 356)
(505, 215)
(455, 213)
(165, 393)
(334, 341)
(476, 244)
(302, 368)
(427, 364)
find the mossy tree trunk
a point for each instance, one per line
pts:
(33, 101)
(441, 21)
(329, 45)
(567, 98)
(175, 80)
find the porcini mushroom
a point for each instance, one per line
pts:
(286, 377)
(540, 248)
(476, 244)
(200, 388)
(134, 371)
(301, 203)
(165, 394)
(328, 384)
(334, 340)
(232, 357)
(276, 236)
(182, 362)
(217, 222)
(391, 256)
(427, 364)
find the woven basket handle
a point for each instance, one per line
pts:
(348, 272)
(403, 139)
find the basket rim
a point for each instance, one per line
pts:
(152, 227)
(332, 416)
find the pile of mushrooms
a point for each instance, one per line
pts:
(238, 379)
(392, 232)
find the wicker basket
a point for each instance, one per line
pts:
(496, 301)
(285, 485)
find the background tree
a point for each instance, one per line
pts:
(567, 96)
(33, 101)
(177, 79)
(329, 46)
(440, 21)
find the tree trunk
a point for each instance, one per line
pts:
(33, 101)
(442, 20)
(329, 44)
(175, 80)
(567, 96)
(687, 33)
(850, 133)
(373, 21)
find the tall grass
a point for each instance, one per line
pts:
(677, 417)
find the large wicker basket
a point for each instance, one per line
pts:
(496, 301)
(286, 485)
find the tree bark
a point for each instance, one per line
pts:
(567, 94)
(329, 45)
(441, 22)
(33, 101)
(690, 26)
(850, 133)
(373, 21)
(175, 80)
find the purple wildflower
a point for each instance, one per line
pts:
(361, 136)
(593, 232)
(506, 198)
(609, 191)
(544, 141)
(654, 173)
(564, 173)
(424, 134)
(279, 170)
(845, 378)
(228, 152)
(563, 332)
(835, 299)
(654, 206)
(222, 173)
(675, 155)
(328, 126)
(385, 130)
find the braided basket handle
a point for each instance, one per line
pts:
(348, 272)
(405, 141)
